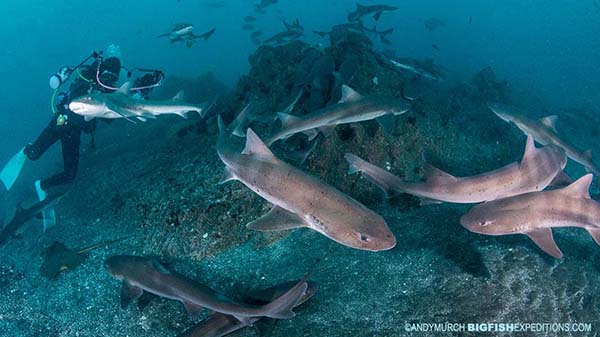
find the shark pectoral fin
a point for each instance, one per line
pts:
(145, 300)
(147, 114)
(255, 146)
(550, 121)
(228, 175)
(129, 293)
(276, 219)
(434, 175)
(349, 95)
(561, 180)
(377, 16)
(327, 130)
(387, 123)
(265, 326)
(311, 134)
(121, 113)
(595, 233)
(580, 188)
(88, 118)
(543, 238)
(141, 118)
(192, 309)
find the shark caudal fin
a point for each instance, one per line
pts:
(281, 308)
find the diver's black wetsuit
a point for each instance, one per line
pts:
(69, 132)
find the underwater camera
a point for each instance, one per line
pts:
(63, 74)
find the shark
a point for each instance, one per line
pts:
(120, 105)
(351, 108)
(218, 324)
(539, 168)
(263, 4)
(412, 66)
(141, 274)
(536, 213)
(300, 200)
(364, 10)
(544, 132)
(178, 30)
(284, 36)
(24, 215)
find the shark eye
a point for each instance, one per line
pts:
(363, 237)
(485, 223)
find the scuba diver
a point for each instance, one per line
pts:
(102, 75)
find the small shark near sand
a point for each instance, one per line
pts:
(535, 214)
(364, 10)
(538, 168)
(544, 132)
(299, 199)
(120, 105)
(218, 325)
(141, 274)
(24, 215)
(351, 108)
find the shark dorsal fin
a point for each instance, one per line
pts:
(255, 146)
(178, 97)
(434, 175)
(124, 89)
(580, 188)
(543, 238)
(550, 121)
(530, 149)
(159, 267)
(349, 95)
(587, 154)
(287, 119)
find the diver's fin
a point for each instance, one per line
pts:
(48, 218)
(276, 219)
(41, 194)
(129, 293)
(543, 238)
(11, 170)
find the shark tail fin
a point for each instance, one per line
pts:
(281, 308)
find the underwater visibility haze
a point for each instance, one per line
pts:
(214, 168)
